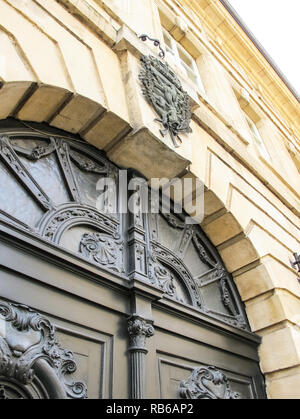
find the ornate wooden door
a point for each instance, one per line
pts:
(97, 301)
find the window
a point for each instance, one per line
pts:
(182, 59)
(258, 140)
(253, 118)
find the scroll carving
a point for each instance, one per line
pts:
(159, 274)
(207, 383)
(28, 338)
(37, 152)
(54, 223)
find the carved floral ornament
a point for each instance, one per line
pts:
(139, 329)
(207, 383)
(29, 349)
(163, 90)
(103, 249)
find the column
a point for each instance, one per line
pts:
(139, 329)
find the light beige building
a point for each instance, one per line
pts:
(75, 64)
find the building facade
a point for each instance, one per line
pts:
(141, 304)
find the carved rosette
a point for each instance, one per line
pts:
(139, 330)
(207, 383)
(28, 338)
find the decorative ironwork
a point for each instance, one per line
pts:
(207, 383)
(161, 254)
(30, 337)
(11, 159)
(37, 152)
(86, 164)
(161, 248)
(63, 153)
(156, 43)
(163, 90)
(3, 395)
(53, 224)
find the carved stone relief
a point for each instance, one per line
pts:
(207, 383)
(29, 348)
(163, 90)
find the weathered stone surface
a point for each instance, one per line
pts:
(43, 103)
(106, 129)
(239, 253)
(280, 349)
(147, 154)
(10, 95)
(76, 114)
(222, 229)
(284, 384)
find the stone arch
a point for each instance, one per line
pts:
(63, 109)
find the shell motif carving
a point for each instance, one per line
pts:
(103, 249)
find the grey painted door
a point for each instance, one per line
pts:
(97, 301)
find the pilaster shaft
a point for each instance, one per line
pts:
(139, 329)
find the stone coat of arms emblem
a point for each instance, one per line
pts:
(163, 90)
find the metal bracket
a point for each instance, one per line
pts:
(156, 42)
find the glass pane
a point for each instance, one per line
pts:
(47, 174)
(184, 56)
(193, 261)
(87, 185)
(167, 40)
(16, 201)
(168, 235)
(212, 297)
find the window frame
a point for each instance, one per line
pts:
(174, 51)
(259, 142)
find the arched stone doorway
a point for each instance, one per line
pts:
(150, 276)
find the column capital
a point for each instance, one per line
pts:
(139, 329)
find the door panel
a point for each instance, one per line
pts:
(172, 372)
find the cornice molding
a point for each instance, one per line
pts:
(211, 13)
